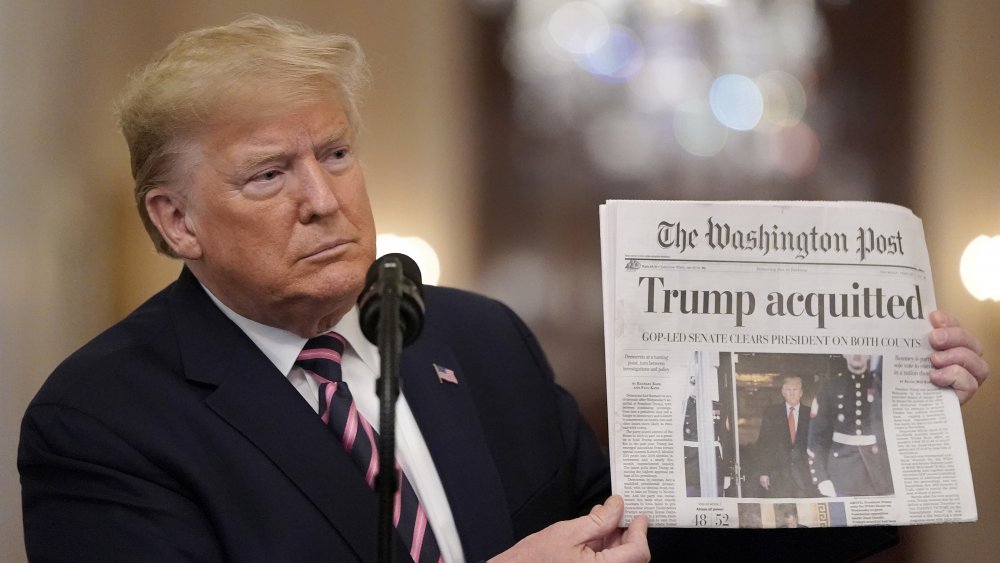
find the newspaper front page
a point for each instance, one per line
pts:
(767, 366)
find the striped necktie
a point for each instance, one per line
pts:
(320, 358)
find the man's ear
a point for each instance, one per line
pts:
(168, 211)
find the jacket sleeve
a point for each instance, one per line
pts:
(592, 479)
(821, 427)
(85, 490)
(767, 447)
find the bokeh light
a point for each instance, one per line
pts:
(618, 59)
(980, 268)
(712, 78)
(697, 130)
(579, 27)
(666, 81)
(736, 102)
(784, 98)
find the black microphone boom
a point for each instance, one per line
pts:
(392, 314)
(391, 270)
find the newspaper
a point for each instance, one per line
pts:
(767, 366)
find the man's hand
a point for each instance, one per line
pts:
(765, 481)
(958, 358)
(826, 488)
(594, 537)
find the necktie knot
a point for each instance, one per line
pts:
(322, 356)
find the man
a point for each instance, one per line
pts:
(193, 430)
(196, 428)
(784, 432)
(847, 455)
(791, 520)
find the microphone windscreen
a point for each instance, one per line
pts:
(410, 270)
(410, 293)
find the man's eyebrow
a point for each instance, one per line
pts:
(338, 136)
(246, 165)
(252, 161)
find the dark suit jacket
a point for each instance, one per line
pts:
(172, 437)
(786, 464)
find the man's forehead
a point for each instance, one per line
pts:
(249, 132)
(268, 141)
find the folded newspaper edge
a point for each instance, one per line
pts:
(767, 366)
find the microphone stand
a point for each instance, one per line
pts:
(390, 344)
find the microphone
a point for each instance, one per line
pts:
(392, 314)
(398, 275)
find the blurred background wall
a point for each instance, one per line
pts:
(496, 150)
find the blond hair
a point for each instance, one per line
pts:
(202, 73)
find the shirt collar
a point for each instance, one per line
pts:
(282, 347)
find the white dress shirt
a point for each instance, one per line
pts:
(360, 366)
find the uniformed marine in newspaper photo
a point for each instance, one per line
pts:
(847, 452)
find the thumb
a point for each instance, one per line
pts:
(602, 520)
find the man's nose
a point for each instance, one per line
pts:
(317, 189)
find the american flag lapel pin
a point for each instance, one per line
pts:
(445, 375)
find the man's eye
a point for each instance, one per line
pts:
(266, 176)
(338, 159)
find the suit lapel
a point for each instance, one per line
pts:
(259, 402)
(448, 421)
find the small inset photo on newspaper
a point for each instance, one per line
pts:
(792, 515)
(810, 425)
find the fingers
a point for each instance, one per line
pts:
(605, 518)
(614, 545)
(966, 360)
(634, 546)
(629, 546)
(636, 531)
(594, 537)
(940, 318)
(597, 529)
(957, 357)
(948, 333)
(964, 384)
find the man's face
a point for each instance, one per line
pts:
(277, 204)
(791, 390)
(857, 363)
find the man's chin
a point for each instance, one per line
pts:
(336, 285)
